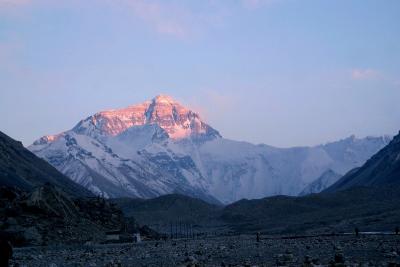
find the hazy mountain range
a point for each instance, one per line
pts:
(382, 169)
(366, 197)
(160, 147)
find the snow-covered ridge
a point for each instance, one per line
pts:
(160, 146)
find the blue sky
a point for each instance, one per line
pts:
(280, 72)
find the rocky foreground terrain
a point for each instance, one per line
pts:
(350, 250)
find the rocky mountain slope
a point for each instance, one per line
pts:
(327, 179)
(47, 215)
(161, 147)
(382, 169)
(22, 169)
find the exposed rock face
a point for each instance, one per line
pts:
(383, 169)
(161, 147)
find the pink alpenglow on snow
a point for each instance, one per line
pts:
(178, 121)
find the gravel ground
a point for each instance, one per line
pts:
(367, 250)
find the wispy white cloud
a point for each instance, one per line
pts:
(165, 18)
(168, 19)
(373, 75)
(365, 74)
(180, 19)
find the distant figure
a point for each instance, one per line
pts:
(136, 238)
(258, 236)
(5, 252)
(356, 231)
(397, 230)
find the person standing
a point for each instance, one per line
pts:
(357, 231)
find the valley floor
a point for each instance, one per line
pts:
(365, 250)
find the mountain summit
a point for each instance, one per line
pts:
(175, 119)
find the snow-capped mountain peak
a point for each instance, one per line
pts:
(160, 146)
(164, 99)
(178, 121)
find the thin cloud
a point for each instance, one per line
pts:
(164, 19)
(170, 18)
(179, 19)
(365, 74)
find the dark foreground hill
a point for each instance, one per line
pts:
(175, 209)
(382, 169)
(369, 209)
(40, 206)
(47, 215)
(22, 169)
